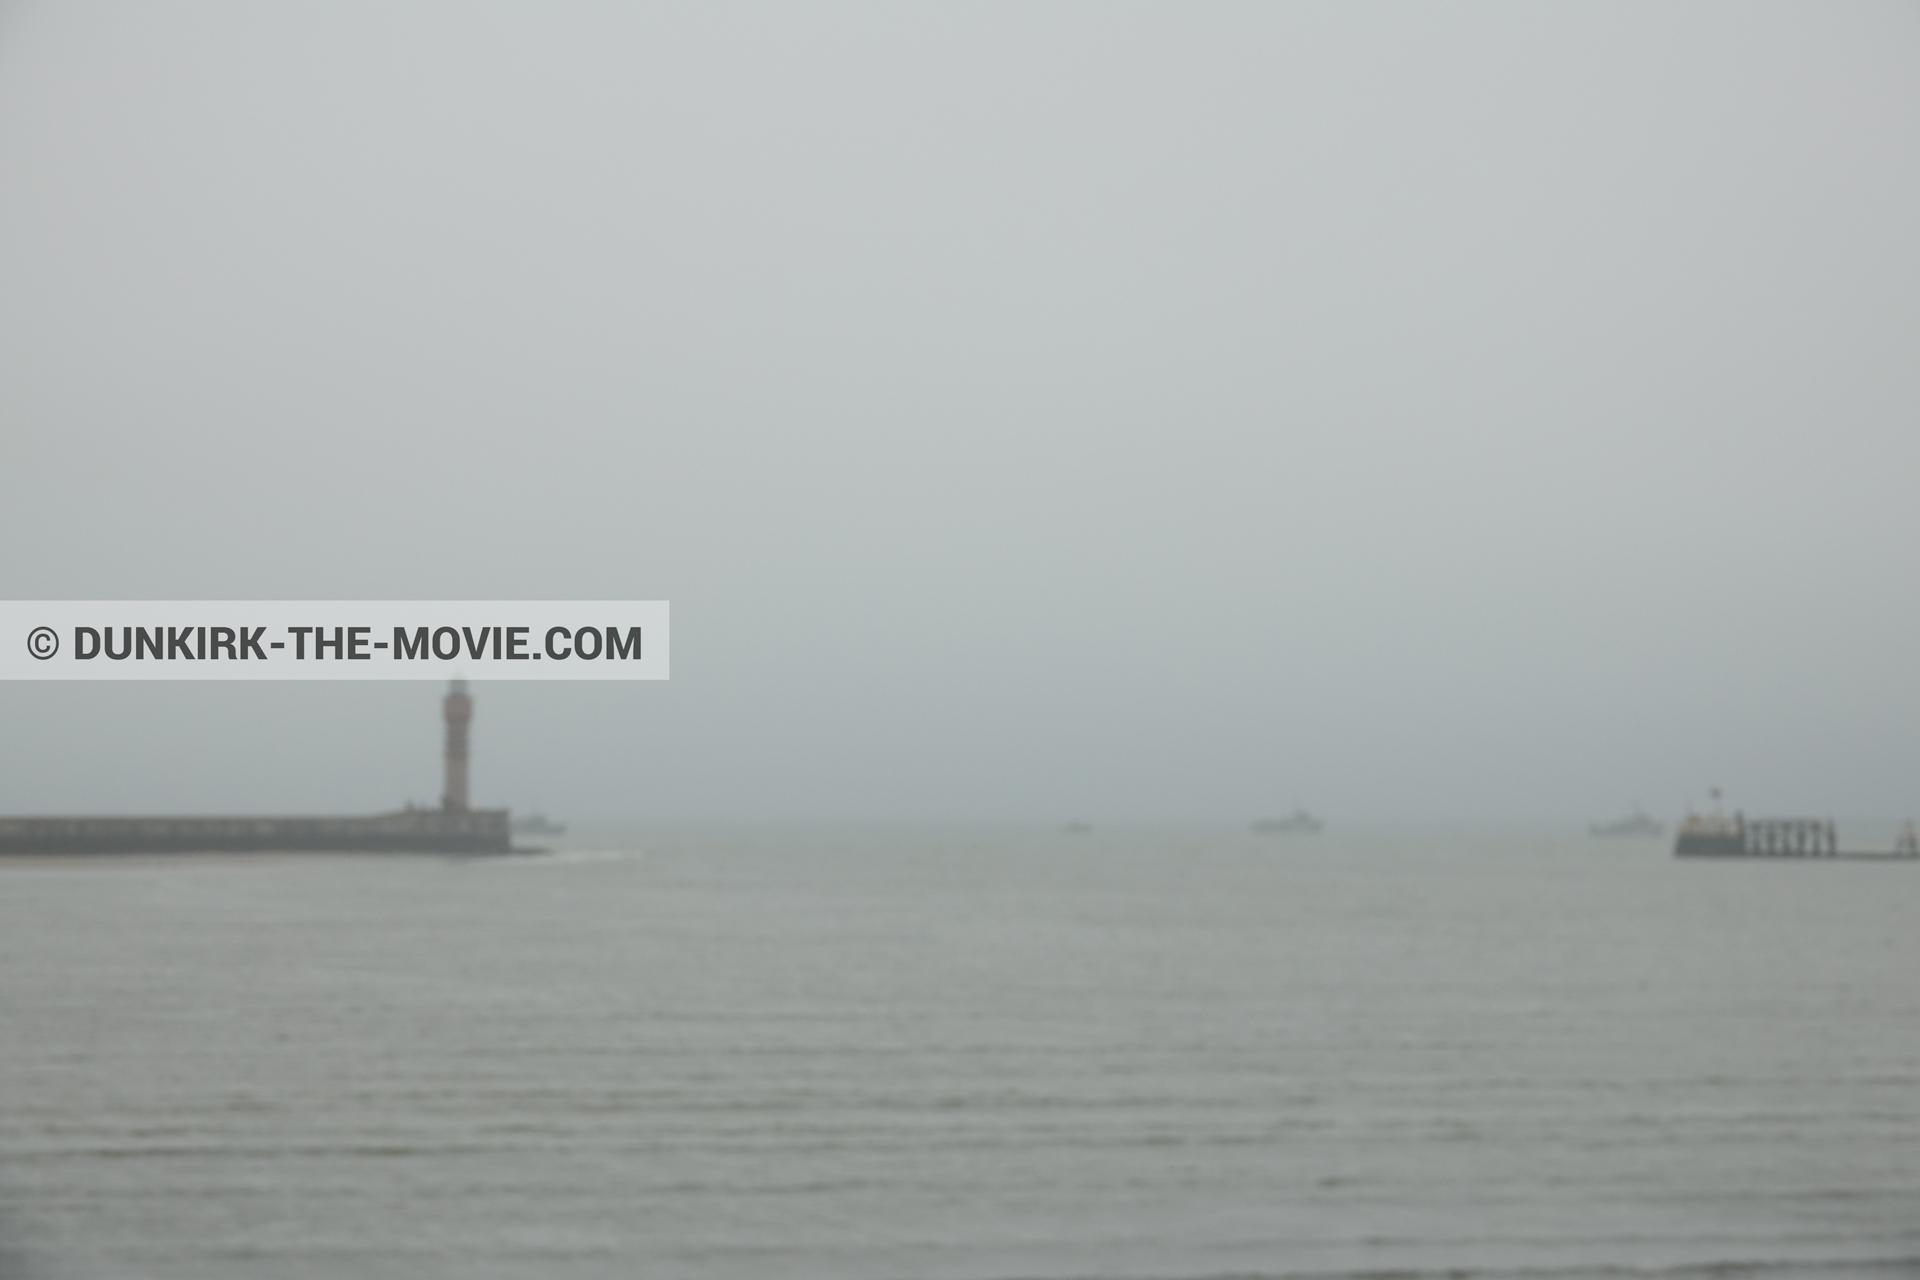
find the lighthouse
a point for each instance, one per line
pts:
(458, 708)
(455, 827)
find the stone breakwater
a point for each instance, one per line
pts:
(405, 831)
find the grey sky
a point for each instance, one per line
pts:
(1031, 411)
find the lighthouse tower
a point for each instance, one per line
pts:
(459, 712)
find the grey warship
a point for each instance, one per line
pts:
(1299, 822)
(538, 824)
(1636, 825)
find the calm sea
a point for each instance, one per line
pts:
(965, 1054)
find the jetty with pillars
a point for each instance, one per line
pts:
(1715, 835)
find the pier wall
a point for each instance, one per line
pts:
(405, 831)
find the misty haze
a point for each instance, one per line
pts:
(1147, 415)
(1068, 435)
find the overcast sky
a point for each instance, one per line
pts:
(1032, 411)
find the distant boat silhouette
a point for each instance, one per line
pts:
(1636, 825)
(538, 824)
(1299, 821)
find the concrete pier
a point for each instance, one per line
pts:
(406, 831)
(1741, 837)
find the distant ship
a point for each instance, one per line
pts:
(538, 824)
(1636, 825)
(1300, 821)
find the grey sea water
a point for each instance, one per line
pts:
(964, 1055)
